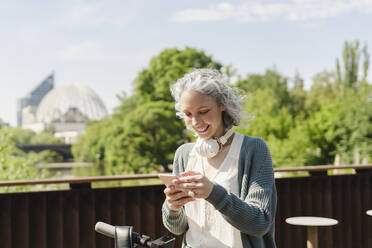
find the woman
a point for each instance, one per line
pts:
(225, 195)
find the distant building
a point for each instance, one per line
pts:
(65, 109)
(27, 106)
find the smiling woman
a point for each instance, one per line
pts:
(202, 114)
(225, 193)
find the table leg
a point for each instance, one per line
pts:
(312, 237)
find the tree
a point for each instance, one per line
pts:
(323, 90)
(26, 136)
(153, 83)
(356, 120)
(340, 126)
(91, 146)
(151, 134)
(351, 56)
(270, 119)
(144, 132)
(272, 80)
(15, 164)
(273, 107)
(298, 96)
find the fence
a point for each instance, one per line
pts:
(66, 218)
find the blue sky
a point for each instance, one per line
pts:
(104, 44)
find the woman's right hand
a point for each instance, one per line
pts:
(176, 198)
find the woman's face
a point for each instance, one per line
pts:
(202, 114)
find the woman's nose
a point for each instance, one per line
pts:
(195, 121)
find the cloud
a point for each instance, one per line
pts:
(293, 10)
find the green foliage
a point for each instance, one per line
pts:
(26, 136)
(341, 127)
(16, 165)
(298, 97)
(324, 89)
(320, 130)
(151, 134)
(144, 132)
(351, 56)
(45, 138)
(356, 129)
(153, 83)
(270, 118)
(144, 141)
(271, 80)
(88, 147)
(19, 135)
(276, 87)
(91, 146)
(310, 128)
(301, 127)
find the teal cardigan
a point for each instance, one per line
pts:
(253, 212)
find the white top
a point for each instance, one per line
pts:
(207, 227)
(311, 221)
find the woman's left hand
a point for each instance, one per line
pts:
(196, 182)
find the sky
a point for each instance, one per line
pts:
(105, 44)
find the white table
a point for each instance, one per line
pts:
(312, 223)
(369, 212)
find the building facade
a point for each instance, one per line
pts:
(65, 109)
(27, 106)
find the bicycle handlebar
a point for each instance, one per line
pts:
(105, 229)
(124, 237)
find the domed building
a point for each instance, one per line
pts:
(66, 109)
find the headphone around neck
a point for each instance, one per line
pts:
(211, 147)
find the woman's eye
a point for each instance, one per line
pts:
(204, 112)
(188, 114)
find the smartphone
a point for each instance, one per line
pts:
(167, 178)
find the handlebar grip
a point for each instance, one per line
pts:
(105, 229)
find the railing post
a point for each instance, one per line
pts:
(80, 185)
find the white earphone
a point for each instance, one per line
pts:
(211, 147)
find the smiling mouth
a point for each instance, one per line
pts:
(202, 130)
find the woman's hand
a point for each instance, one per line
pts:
(196, 182)
(176, 198)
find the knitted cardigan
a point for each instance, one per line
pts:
(253, 212)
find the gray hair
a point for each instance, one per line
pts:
(210, 82)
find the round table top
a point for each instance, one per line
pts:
(369, 212)
(311, 221)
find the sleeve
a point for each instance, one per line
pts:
(256, 213)
(175, 221)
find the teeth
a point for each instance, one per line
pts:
(202, 130)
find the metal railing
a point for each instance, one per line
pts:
(66, 218)
(89, 180)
